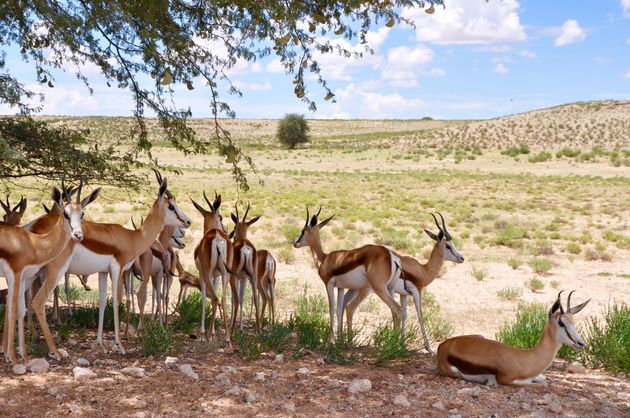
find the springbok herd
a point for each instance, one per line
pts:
(35, 257)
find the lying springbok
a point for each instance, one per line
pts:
(415, 277)
(477, 359)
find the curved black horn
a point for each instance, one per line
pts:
(236, 210)
(79, 191)
(569, 301)
(307, 216)
(208, 200)
(246, 211)
(134, 224)
(436, 223)
(318, 212)
(561, 309)
(7, 207)
(446, 234)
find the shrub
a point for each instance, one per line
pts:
(154, 338)
(293, 130)
(509, 237)
(514, 263)
(527, 328)
(310, 320)
(541, 265)
(609, 342)
(573, 248)
(510, 293)
(189, 312)
(535, 284)
(479, 274)
(390, 344)
(541, 157)
(437, 327)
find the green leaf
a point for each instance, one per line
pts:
(391, 22)
(340, 30)
(50, 84)
(299, 91)
(329, 96)
(189, 85)
(284, 40)
(167, 78)
(311, 27)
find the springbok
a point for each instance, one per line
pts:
(371, 265)
(13, 217)
(213, 257)
(23, 253)
(480, 360)
(415, 277)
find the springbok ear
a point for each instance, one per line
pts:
(23, 205)
(231, 235)
(198, 206)
(91, 197)
(57, 197)
(162, 190)
(324, 222)
(46, 208)
(431, 235)
(217, 203)
(253, 220)
(313, 221)
(234, 218)
(576, 309)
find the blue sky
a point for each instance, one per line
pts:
(472, 60)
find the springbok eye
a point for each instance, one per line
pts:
(66, 215)
(561, 323)
(82, 215)
(171, 207)
(448, 247)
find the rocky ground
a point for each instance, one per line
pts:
(221, 383)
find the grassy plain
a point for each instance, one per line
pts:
(564, 222)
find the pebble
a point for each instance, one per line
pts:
(140, 414)
(134, 403)
(279, 358)
(233, 391)
(222, 379)
(72, 341)
(401, 400)
(289, 408)
(360, 385)
(74, 408)
(576, 367)
(83, 362)
(555, 407)
(134, 372)
(476, 391)
(53, 391)
(63, 352)
(259, 377)
(229, 370)
(250, 396)
(38, 365)
(19, 369)
(438, 405)
(188, 371)
(171, 361)
(83, 373)
(303, 370)
(320, 361)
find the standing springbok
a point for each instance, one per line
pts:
(477, 359)
(415, 277)
(371, 265)
(23, 253)
(108, 249)
(213, 257)
(13, 217)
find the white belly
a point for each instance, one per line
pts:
(404, 288)
(85, 261)
(354, 279)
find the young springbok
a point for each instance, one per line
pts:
(477, 359)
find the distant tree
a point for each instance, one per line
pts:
(293, 130)
(149, 46)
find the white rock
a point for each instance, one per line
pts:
(83, 362)
(19, 369)
(229, 370)
(74, 408)
(576, 367)
(72, 341)
(279, 358)
(134, 372)
(259, 377)
(134, 403)
(555, 407)
(53, 391)
(140, 414)
(360, 385)
(81, 373)
(320, 361)
(401, 400)
(171, 361)
(38, 365)
(222, 379)
(249, 396)
(438, 405)
(289, 408)
(188, 371)
(303, 370)
(64, 353)
(234, 391)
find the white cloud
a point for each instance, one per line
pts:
(386, 105)
(275, 66)
(469, 22)
(253, 86)
(603, 60)
(437, 72)
(501, 69)
(405, 57)
(625, 7)
(403, 83)
(527, 54)
(627, 75)
(570, 33)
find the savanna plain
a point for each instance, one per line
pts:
(536, 202)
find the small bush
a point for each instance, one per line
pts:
(535, 284)
(292, 130)
(437, 327)
(573, 248)
(554, 284)
(310, 320)
(154, 338)
(609, 342)
(541, 157)
(510, 237)
(510, 293)
(390, 344)
(514, 263)
(479, 274)
(541, 265)
(189, 312)
(248, 345)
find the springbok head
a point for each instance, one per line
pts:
(173, 215)
(73, 211)
(14, 216)
(445, 242)
(212, 218)
(562, 320)
(241, 225)
(310, 231)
